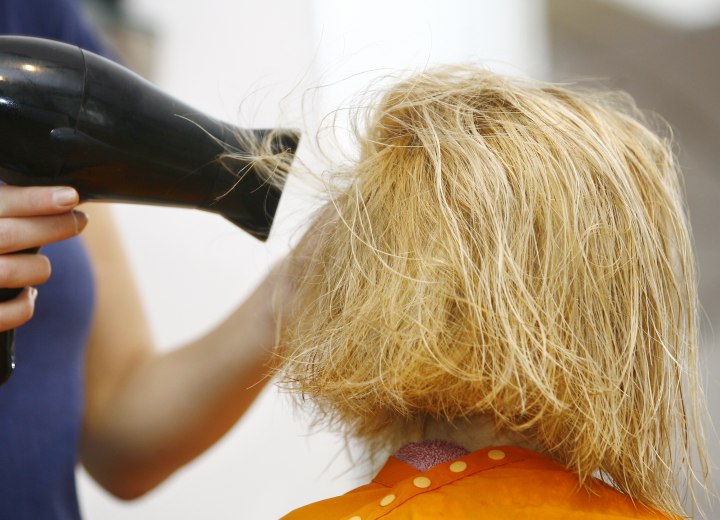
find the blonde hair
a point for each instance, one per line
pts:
(511, 249)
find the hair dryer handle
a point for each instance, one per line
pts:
(7, 337)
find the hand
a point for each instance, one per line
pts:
(31, 218)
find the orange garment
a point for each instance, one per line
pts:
(489, 484)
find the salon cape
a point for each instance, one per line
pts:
(489, 484)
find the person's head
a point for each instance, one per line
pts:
(509, 249)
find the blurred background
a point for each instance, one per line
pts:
(291, 62)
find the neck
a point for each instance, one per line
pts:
(472, 434)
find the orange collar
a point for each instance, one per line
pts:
(396, 470)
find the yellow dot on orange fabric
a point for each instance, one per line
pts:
(355, 518)
(421, 482)
(387, 500)
(458, 466)
(496, 454)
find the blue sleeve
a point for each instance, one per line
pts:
(54, 19)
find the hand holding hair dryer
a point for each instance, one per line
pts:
(69, 117)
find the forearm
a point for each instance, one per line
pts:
(172, 407)
(147, 414)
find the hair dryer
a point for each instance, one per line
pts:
(69, 117)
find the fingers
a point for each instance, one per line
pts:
(22, 270)
(31, 217)
(19, 310)
(16, 201)
(21, 233)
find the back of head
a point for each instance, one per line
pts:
(509, 249)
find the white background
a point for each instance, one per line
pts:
(269, 57)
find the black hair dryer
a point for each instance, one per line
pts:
(71, 118)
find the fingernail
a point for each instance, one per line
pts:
(65, 197)
(80, 219)
(33, 293)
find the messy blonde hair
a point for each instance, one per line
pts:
(510, 249)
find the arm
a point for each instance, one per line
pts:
(148, 414)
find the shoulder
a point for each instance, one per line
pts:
(519, 487)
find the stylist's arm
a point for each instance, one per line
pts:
(31, 218)
(147, 413)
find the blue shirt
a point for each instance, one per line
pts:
(54, 19)
(41, 405)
